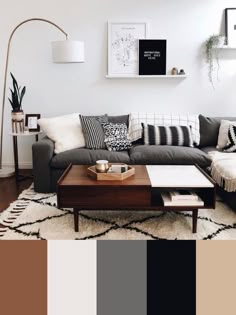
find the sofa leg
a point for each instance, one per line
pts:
(195, 216)
(76, 219)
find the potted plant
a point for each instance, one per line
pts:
(17, 95)
(212, 54)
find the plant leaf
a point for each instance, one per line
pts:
(22, 94)
(11, 102)
(14, 80)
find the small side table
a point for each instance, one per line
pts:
(14, 135)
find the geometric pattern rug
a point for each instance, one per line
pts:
(35, 216)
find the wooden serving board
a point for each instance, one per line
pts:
(110, 176)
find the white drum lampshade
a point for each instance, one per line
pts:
(68, 51)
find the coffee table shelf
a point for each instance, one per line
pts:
(207, 196)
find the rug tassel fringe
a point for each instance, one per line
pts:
(228, 184)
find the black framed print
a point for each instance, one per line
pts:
(31, 121)
(152, 57)
(230, 26)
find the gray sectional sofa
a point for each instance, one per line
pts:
(48, 167)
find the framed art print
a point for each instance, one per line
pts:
(230, 26)
(152, 56)
(31, 121)
(123, 46)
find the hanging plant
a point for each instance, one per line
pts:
(212, 55)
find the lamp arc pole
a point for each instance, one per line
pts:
(8, 171)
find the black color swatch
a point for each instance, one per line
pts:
(171, 277)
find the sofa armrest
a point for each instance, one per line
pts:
(43, 152)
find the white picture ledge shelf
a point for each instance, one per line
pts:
(226, 47)
(146, 76)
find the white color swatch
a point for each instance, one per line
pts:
(72, 278)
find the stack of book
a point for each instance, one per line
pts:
(181, 198)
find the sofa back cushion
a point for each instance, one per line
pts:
(122, 119)
(209, 130)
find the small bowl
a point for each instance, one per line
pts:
(102, 166)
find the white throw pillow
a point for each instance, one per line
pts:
(223, 133)
(65, 131)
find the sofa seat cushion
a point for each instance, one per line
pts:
(175, 155)
(87, 157)
(210, 149)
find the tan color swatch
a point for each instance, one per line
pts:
(216, 278)
(23, 277)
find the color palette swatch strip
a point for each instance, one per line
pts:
(117, 277)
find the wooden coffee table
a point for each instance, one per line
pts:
(140, 192)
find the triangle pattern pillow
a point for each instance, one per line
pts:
(116, 137)
(231, 145)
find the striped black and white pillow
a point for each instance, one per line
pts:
(231, 146)
(155, 119)
(168, 135)
(93, 132)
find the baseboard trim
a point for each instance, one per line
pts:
(23, 165)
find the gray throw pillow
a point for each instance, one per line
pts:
(116, 137)
(93, 131)
(209, 130)
(122, 119)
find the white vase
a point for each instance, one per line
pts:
(18, 119)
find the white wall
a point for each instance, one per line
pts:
(57, 89)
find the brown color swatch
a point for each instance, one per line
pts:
(23, 277)
(216, 277)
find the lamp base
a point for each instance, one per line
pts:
(7, 172)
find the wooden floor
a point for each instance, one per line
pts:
(10, 189)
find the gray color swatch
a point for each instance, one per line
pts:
(121, 277)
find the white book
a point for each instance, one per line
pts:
(168, 202)
(183, 195)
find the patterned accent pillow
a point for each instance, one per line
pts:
(171, 135)
(231, 146)
(93, 131)
(155, 119)
(116, 137)
(223, 138)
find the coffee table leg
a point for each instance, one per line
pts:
(76, 219)
(195, 215)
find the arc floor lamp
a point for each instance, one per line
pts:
(66, 51)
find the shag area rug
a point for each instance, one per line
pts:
(35, 216)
